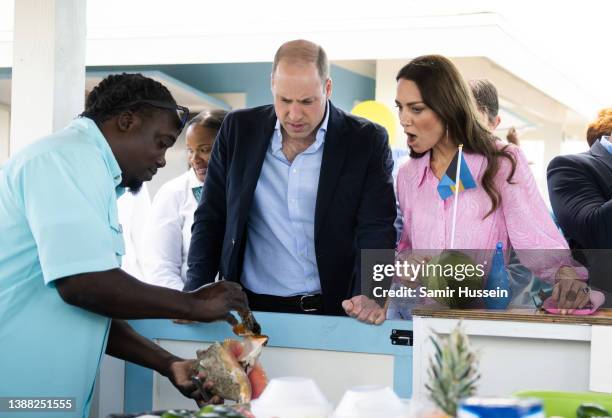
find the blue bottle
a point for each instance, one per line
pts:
(498, 281)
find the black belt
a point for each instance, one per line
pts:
(308, 304)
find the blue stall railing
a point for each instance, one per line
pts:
(331, 333)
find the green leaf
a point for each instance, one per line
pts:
(452, 370)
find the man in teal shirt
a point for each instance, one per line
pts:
(62, 293)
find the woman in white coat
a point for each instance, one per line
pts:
(169, 224)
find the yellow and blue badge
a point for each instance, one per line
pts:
(447, 184)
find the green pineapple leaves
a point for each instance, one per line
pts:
(452, 370)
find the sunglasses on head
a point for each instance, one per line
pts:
(182, 113)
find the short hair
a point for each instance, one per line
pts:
(119, 92)
(600, 126)
(486, 98)
(303, 51)
(211, 119)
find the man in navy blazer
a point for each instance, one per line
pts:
(292, 194)
(580, 188)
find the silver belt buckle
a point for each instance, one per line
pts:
(302, 304)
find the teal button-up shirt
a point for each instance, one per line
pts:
(58, 217)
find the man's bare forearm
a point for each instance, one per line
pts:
(116, 294)
(127, 344)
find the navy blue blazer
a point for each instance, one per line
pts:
(580, 189)
(355, 207)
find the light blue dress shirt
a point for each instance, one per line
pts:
(58, 217)
(605, 141)
(280, 254)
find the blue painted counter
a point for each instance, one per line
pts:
(329, 333)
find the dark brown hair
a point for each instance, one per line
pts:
(211, 119)
(600, 126)
(304, 51)
(445, 92)
(486, 98)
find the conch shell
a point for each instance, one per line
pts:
(234, 369)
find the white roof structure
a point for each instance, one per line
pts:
(553, 46)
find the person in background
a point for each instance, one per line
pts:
(134, 210)
(63, 297)
(294, 191)
(168, 228)
(579, 188)
(512, 137)
(487, 103)
(602, 126)
(437, 113)
(581, 197)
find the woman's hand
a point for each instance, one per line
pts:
(570, 291)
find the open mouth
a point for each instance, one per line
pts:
(411, 138)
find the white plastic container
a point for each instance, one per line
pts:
(370, 401)
(291, 397)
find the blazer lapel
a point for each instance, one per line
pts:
(602, 154)
(334, 153)
(254, 159)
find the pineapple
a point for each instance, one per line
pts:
(452, 371)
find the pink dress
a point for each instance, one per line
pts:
(521, 221)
